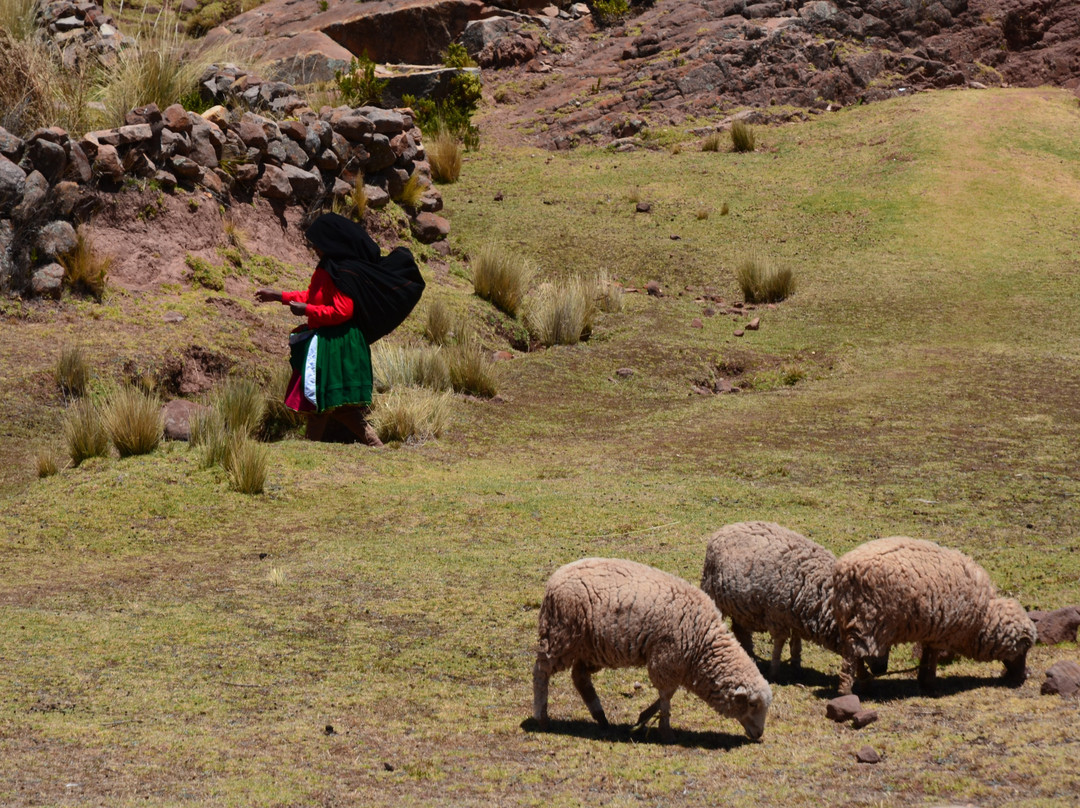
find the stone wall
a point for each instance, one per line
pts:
(307, 159)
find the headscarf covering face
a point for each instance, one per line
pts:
(341, 239)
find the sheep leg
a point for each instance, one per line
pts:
(778, 641)
(796, 652)
(541, 676)
(879, 665)
(928, 668)
(648, 712)
(847, 674)
(664, 705)
(581, 674)
(744, 636)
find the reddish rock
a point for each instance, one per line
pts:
(863, 718)
(1057, 626)
(738, 332)
(176, 118)
(643, 207)
(653, 289)
(177, 415)
(274, 183)
(137, 133)
(430, 227)
(294, 130)
(502, 356)
(868, 755)
(107, 163)
(1062, 678)
(696, 323)
(624, 373)
(754, 324)
(842, 708)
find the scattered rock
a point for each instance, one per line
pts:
(177, 415)
(1057, 626)
(739, 332)
(172, 317)
(501, 356)
(1062, 678)
(47, 281)
(624, 373)
(842, 708)
(696, 323)
(754, 324)
(643, 207)
(867, 755)
(56, 238)
(863, 718)
(430, 227)
(653, 289)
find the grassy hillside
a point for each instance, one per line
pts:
(363, 633)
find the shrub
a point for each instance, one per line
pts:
(761, 282)
(411, 414)
(439, 325)
(712, 142)
(411, 192)
(235, 235)
(246, 465)
(209, 14)
(132, 418)
(452, 113)
(562, 313)
(358, 85)
(241, 404)
(36, 89)
(47, 463)
(457, 56)
(72, 373)
(85, 270)
(742, 137)
(609, 12)
(444, 156)
(84, 432)
(471, 371)
(205, 274)
(500, 277)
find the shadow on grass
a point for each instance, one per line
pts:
(625, 733)
(883, 689)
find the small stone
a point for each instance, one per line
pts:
(653, 288)
(643, 207)
(498, 197)
(47, 281)
(739, 332)
(329, 730)
(388, 767)
(624, 373)
(177, 416)
(1062, 678)
(430, 227)
(56, 238)
(172, 317)
(863, 718)
(1057, 626)
(754, 324)
(842, 708)
(501, 356)
(696, 323)
(867, 755)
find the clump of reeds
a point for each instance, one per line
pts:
(132, 418)
(500, 277)
(85, 269)
(712, 142)
(46, 462)
(444, 154)
(763, 282)
(742, 137)
(471, 369)
(72, 372)
(246, 465)
(84, 432)
(411, 414)
(562, 312)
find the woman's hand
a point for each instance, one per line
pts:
(267, 295)
(298, 308)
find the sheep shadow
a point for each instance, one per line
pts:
(808, 677)
(884, 689)
(630, 733)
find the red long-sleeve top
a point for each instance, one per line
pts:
(326, 304)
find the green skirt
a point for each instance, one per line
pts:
(341, 366)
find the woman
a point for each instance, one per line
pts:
(330, 355)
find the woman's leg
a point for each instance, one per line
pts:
(354, 419)
(316, 425)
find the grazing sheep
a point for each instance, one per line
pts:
(608, 613)
(765, 577)
(906, 590)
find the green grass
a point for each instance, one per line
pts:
(153, 656)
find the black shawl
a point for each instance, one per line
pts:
(384, 289)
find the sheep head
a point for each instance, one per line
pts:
(1007, 635)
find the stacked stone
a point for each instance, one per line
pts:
(80, 28)
(231, 85)
(297, 161)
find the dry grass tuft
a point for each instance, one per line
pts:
(500, 277)
(85, 269)
(762, 282)
(609, 294)
(397, 366)
(241, 403)
(439, 324)
(712, 142)
(724, 209)
(245, 464)
(444, 153)
(276, 576)
(742, 137)
(411, 192)
(355, 204)
(72, 372)
(278, 420)
(46, 462)
(562, 313)
(84, 432)
(36, 89)
(132, 418)
(471, 370)
(703, 213)
(210, 437)
(411, 414)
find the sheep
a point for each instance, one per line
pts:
(609, 613)
(765, 577)
(908, 590)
